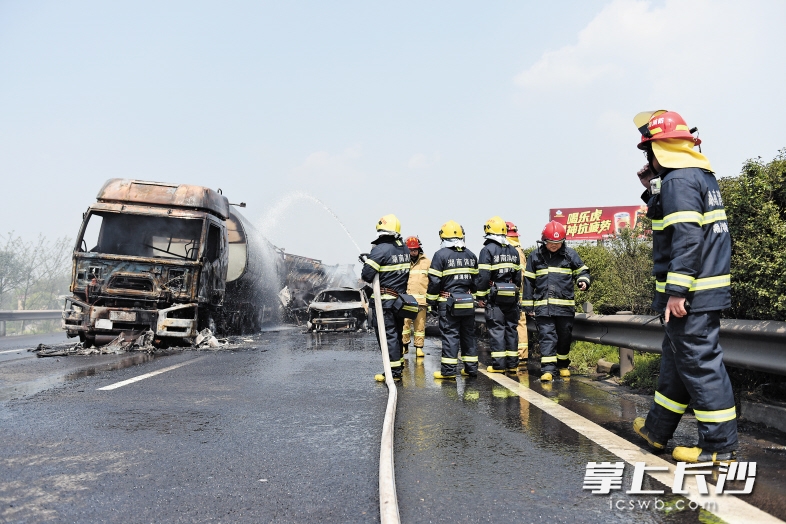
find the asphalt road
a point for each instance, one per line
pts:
(286, 427)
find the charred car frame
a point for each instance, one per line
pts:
(338, 309)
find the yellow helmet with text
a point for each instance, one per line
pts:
(495, 226)
(451, 229)
(389, 223)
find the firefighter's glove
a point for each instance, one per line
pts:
(362, 258)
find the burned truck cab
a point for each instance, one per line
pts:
(149, 256)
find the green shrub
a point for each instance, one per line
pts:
(646, 368)
(755, 203)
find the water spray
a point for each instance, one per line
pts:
(268, 222)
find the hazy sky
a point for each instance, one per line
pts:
(431, 110)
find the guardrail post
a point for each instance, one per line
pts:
(626, 355)
(587, 307)
(2, 328)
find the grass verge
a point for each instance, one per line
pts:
(584, 356)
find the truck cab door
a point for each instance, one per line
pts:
(214, 269)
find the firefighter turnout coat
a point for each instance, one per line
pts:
(452, 270)
(417, 287)
(418, 279)
(390, 258)
(497, 263)
(549, 281)
(691, 245)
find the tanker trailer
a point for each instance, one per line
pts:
(254, 279)
(149, 256)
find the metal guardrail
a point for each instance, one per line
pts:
(31, 314)
(758, 345)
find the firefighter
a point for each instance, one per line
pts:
(549, 296)
(451, 289)
(390, 258)
(691, 251)
(499, 277)
(417, 286)
(521, 329)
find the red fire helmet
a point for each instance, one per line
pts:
(513, 231)
(553, 232)
(413, 243)
(660, 124)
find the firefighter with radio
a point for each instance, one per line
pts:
(521, 329)
(691, 251)
(390, 259)
(451, 289)
(498, 282)
(549, 296)
(417, 287)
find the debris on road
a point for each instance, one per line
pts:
(120, 344)
(206, 339)
(145, 341)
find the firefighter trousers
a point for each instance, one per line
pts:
(692, 372)
(419, 324)
(393, 328)
(554, 336)
(458, 333)
(502, 323)
(523, 345)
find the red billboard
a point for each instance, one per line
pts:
(596, 223)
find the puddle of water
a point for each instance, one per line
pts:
(32, 387)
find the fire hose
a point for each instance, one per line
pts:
(388, 502)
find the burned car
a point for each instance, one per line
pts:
(338, 309)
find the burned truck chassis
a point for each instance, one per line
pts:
(180, 321)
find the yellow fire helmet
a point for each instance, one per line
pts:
(389, 223)
(495, 226)
(451, 229)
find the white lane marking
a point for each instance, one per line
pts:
(146, 375)
(728, 507)
(13, 351)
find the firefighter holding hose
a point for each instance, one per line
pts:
(417, 287)
(691, 251)
(390, 258)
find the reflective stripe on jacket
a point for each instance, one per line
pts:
(691, 245)
(453, 270)
(390, 258)
(549, 281)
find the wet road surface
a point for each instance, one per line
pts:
(286, 429)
